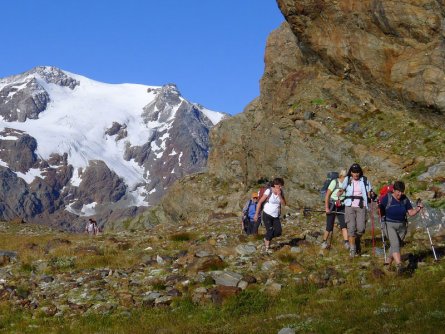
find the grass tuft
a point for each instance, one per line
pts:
(182, 236)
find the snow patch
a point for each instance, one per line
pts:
(214, 116)
(30, 175)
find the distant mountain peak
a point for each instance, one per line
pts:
(70, 129)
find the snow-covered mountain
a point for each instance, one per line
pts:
(70, 144)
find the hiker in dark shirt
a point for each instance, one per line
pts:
(394, 209)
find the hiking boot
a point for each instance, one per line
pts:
(346, 245)
(324, 245)
(399, 269)
(352, 252)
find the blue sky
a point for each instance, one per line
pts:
(212, 49)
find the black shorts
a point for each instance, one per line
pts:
(272, 225)
(330, 219)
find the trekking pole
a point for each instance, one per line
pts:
(431, 242)
(372, 227)
(427, 230)
(307, 210)
(383, 234)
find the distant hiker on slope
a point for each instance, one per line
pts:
(91, 227)
(272, 200)
(249, 225)
(357, 189)
(335, 207)
(394, 208)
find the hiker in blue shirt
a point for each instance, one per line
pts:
(394, 209)
(248, 223)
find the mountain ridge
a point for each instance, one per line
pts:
(137, 131)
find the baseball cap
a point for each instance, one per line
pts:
(254, 195)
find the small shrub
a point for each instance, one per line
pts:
(28, 267)
(318, 102)
(182, 236)
(286, 257)
(62, 262)
(249, 301)
(22, 291)
(158, 286)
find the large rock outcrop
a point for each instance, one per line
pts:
(344, 81)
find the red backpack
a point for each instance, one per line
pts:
(389, 188)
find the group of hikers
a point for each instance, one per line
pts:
(347, 198)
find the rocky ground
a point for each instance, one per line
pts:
(53, 273)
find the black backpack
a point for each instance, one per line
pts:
(330, 176)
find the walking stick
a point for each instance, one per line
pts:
(431, 242)
(372, 228)
(383, 234)
(306, 211)
(427, 230)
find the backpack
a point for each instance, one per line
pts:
(267, 185)
(388, 188)
(330, 176)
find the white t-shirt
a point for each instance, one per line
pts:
(272, 207)
(90, 228)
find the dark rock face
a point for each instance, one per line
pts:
(19, 153)
(100, 184)
(15, 198)
(22, 104)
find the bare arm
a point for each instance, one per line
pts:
(326, 201)
(414, 211)
(259, 205)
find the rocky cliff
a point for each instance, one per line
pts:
(344, 81)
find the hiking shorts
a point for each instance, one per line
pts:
(355, 221)
(396, 233)
(272, 225)
(330, 219)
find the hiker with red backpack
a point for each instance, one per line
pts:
(270, 204)
(335, 207)
(357, 189)
(394, 209)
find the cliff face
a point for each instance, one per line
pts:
(395, 45)
(344, 81)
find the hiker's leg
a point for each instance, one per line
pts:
(256, 226)
(342, 223)
(350, 217)
(277, 230)
(268, 224)
(361, 227)
(251, 226)
(329, 227)
(394, 240)
(401, 230)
